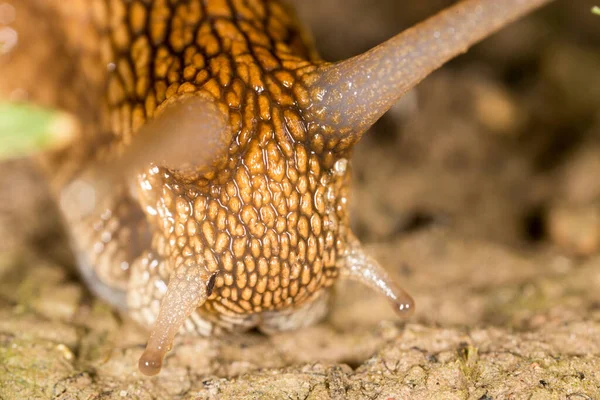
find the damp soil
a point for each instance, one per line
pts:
(479, 192)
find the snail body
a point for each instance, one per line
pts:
(209, 188)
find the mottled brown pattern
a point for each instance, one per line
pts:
(265, 224)
(268, 224)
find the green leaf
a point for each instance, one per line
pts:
(596, 10)
(25, 129)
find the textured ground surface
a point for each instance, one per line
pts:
(480, 194)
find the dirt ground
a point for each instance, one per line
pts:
(479, 192)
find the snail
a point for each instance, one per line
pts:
(208, 189)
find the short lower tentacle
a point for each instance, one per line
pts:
(358, 266)
(187, 291)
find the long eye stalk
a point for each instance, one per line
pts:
(350, 96)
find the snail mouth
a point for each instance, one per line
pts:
(116, 297)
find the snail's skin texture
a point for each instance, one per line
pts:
(209, 189)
